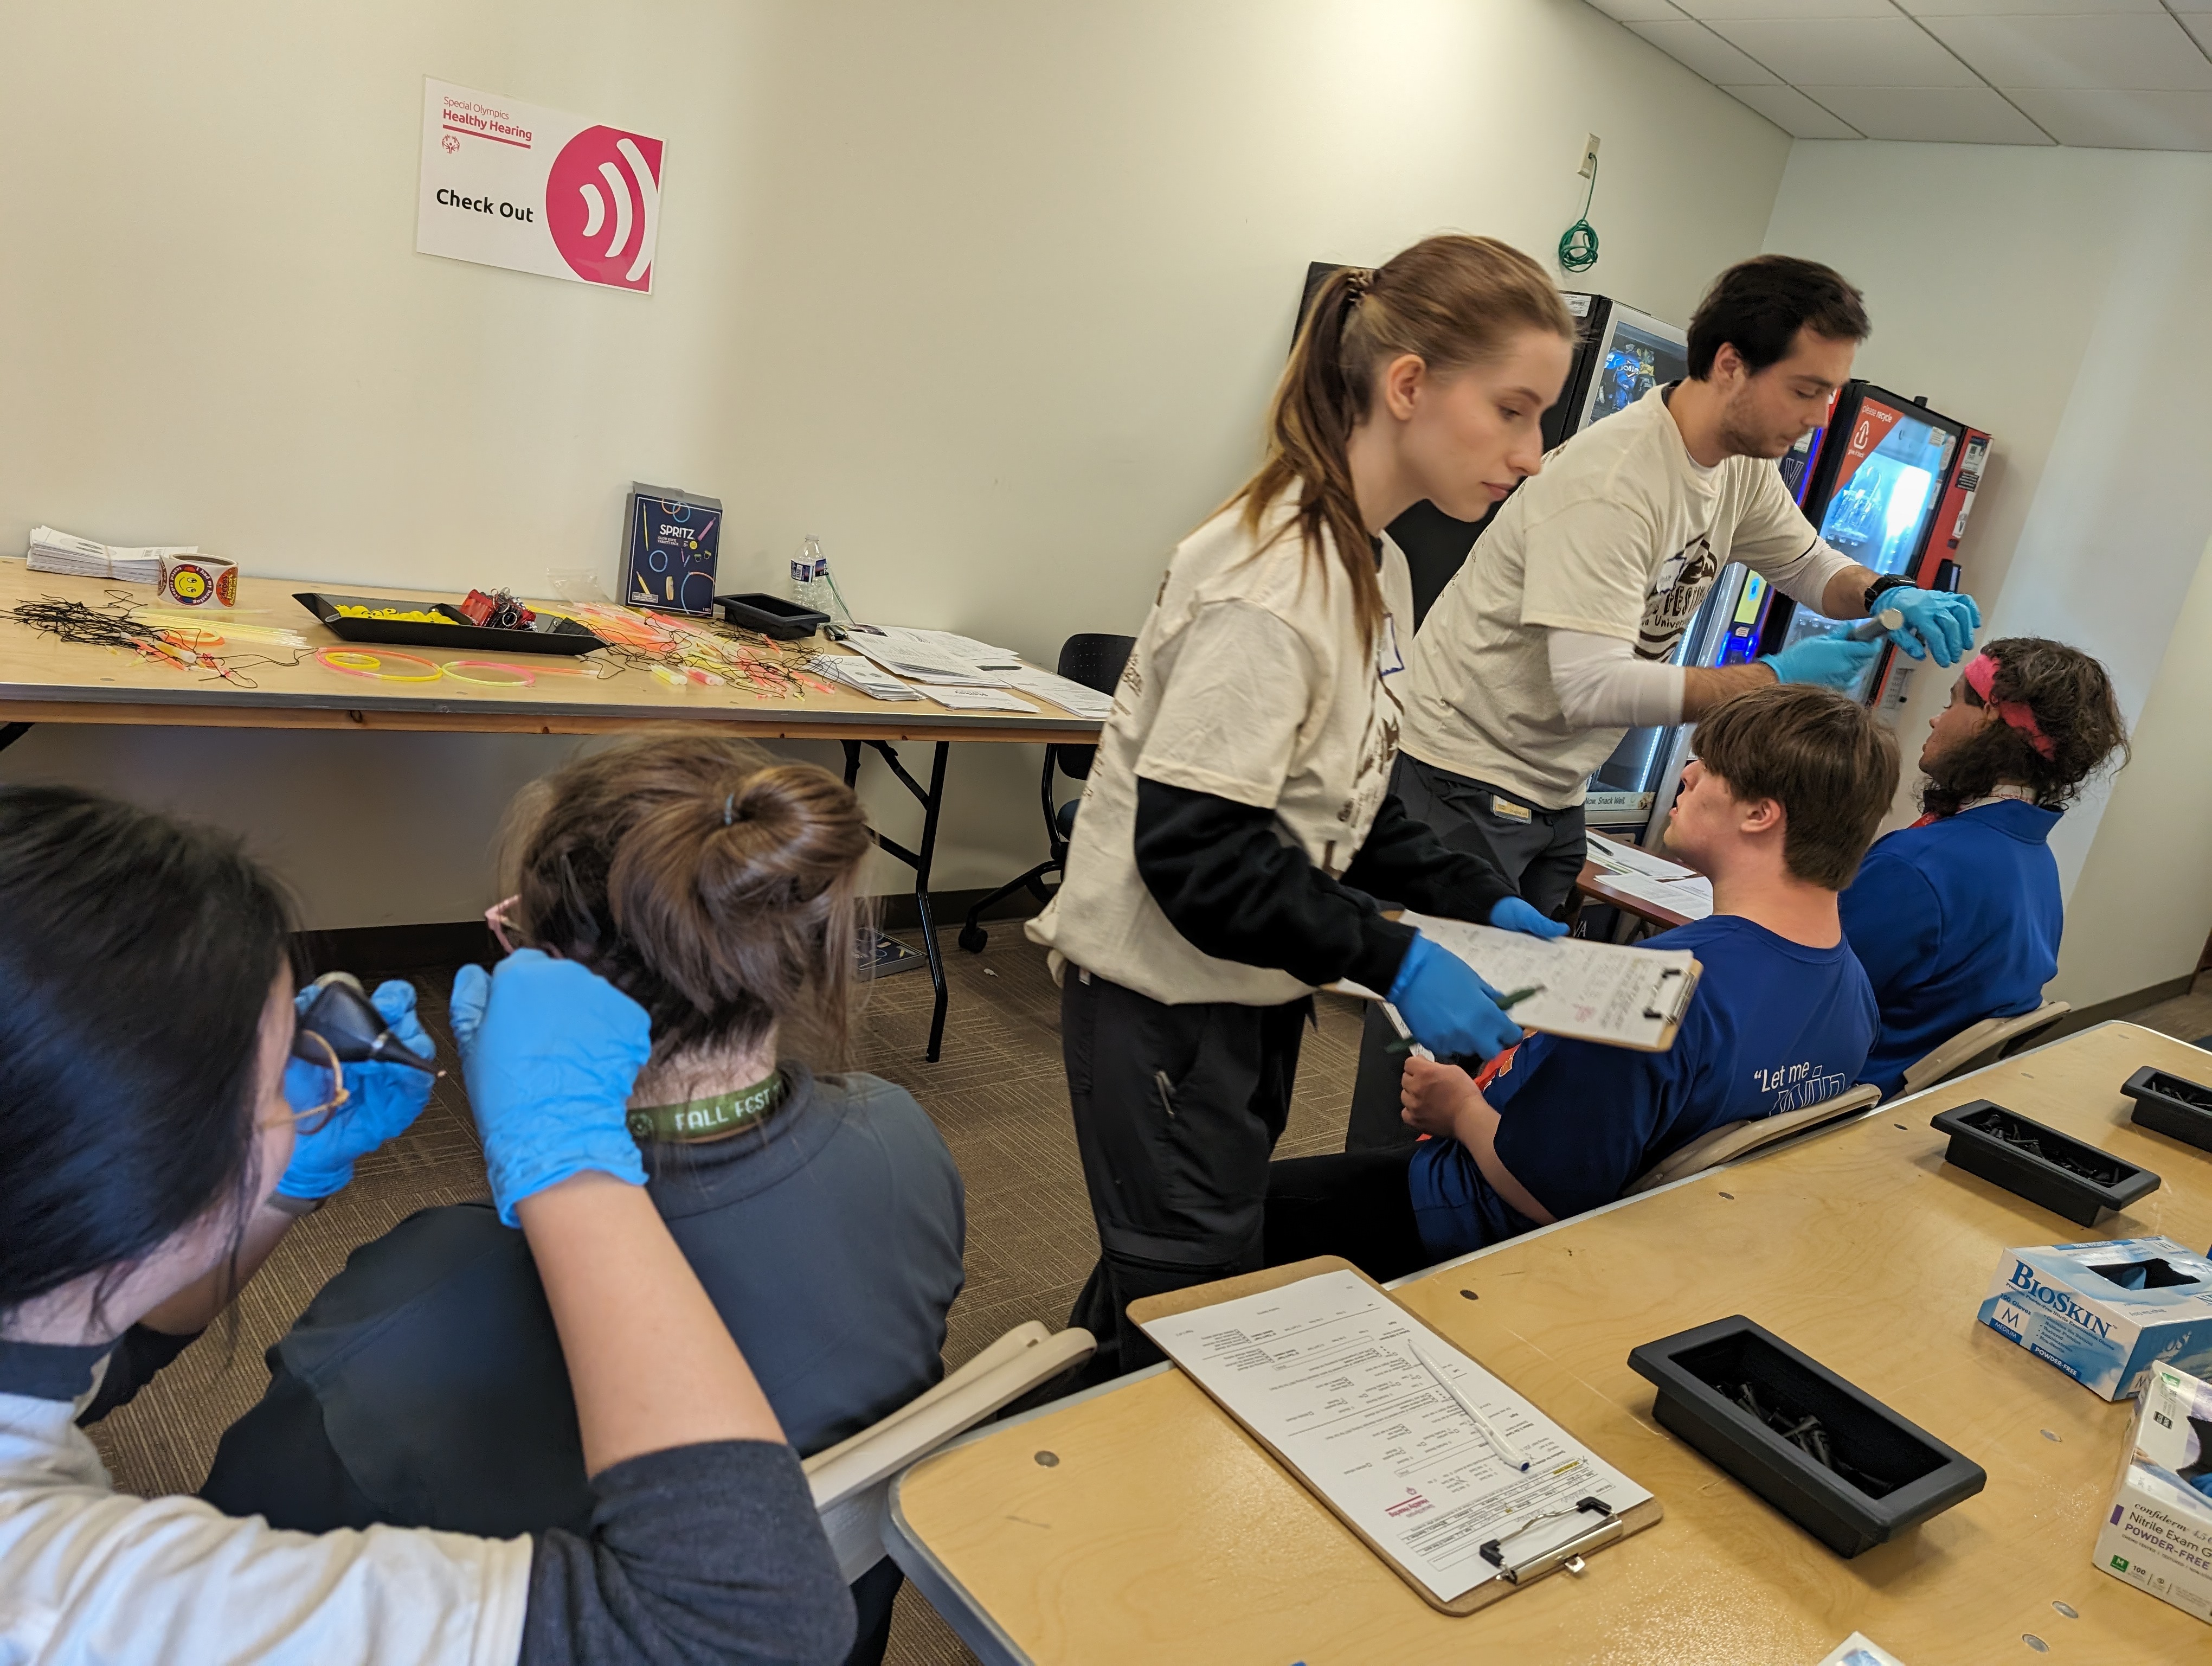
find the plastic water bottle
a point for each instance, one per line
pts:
(812, 585)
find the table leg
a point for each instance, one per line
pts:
(12, 732)
(932, 799)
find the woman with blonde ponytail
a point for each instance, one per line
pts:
(715, 887)
(1238, 820)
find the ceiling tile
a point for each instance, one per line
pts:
(2200, 24)
(1936, 115)
(2188, 5)
(2123, 121)
(1847, 52)
(2132, 51)
(1638, 11)
(2025, 8)
(1788, 8)
(1793, 113)
(1705, 52)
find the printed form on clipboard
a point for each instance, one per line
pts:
(1455, 1480)
(1607, 993)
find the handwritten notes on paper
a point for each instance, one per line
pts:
(1600, 991)
(1322, 1370)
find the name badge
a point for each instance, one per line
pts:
(1388, 662)
(1506, 810)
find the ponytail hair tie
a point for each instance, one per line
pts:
(730, 809)
(1981, 674)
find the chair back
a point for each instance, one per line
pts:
(1982, 1043)
(1096, 661)
(1739, 1140)
(852, 1480)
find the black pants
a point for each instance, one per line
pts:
(1177, 1109)
(1356, 1206)
(1542, 855)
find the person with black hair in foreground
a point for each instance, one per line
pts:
(1957, 918)
(1552, 641)
(147, 1125)
(1787, 789)
(823, 1213)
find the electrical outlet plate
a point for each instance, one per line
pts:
(1589, 156)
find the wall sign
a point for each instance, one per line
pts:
(515, 185)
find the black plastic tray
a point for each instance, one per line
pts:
(2171, 1104)
(546, 635)
(1910, 1475)
(771, 616)
(2108, 1183)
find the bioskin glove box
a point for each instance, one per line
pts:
(2106, 1313)
(2158, 1533)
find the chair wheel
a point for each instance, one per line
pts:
(972, 937)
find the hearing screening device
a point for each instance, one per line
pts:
(341, 1015)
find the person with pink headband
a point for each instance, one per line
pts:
(1957, 918)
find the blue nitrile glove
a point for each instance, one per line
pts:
(1512, 914)
(549, 1050)
(1944, 621)
(1834, 661)
(386, 1099)
(1450, 1011)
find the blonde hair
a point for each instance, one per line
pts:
(712, 884)
(1453, 301)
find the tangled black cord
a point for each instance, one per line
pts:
(82, 625)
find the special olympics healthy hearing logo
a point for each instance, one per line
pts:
(603, 206)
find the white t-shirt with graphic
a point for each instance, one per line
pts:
(1251, 681)
(1620, 535)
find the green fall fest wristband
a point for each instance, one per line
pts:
(707, 1119)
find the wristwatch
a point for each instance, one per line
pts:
(1886, 581)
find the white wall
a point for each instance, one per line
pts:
(2056, 298)
(988, 294)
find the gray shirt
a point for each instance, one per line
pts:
(424, 1385)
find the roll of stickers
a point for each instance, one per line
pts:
(197, 580)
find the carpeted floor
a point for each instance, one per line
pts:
(999, 1097)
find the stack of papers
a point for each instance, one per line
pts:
(929, 656)
(52, 551)
(858, 673)
(981, 700)
(1651, 878)
(1068, 696)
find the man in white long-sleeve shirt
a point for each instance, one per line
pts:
(1552, 642)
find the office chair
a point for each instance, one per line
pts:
(1982, 1043)
(1097, 662)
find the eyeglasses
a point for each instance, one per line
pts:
(496, 917)
(314, 1049)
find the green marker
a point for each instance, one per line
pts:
(1507, 1003)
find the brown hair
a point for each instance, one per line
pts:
(1819, 755)
(2072, 699)
(1757, 307)
(1453, 301)
(710, 883)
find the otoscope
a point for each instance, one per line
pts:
(341, 1016)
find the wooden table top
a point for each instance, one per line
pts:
(44, 680)
(1163, 1533)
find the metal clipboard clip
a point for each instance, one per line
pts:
(1568, 1555)
(1681, 993)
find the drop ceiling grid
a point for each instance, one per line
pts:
(2129, 73)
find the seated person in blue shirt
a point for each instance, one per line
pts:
(1956, 918)
(1789, 784)
(822, 1215)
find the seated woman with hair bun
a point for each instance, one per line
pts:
(823, 1213)
(1957, 918)
(158, 1138)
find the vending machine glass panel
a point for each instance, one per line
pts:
(1887, 485)
(1640, 354)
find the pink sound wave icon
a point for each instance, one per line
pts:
(603, 205)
